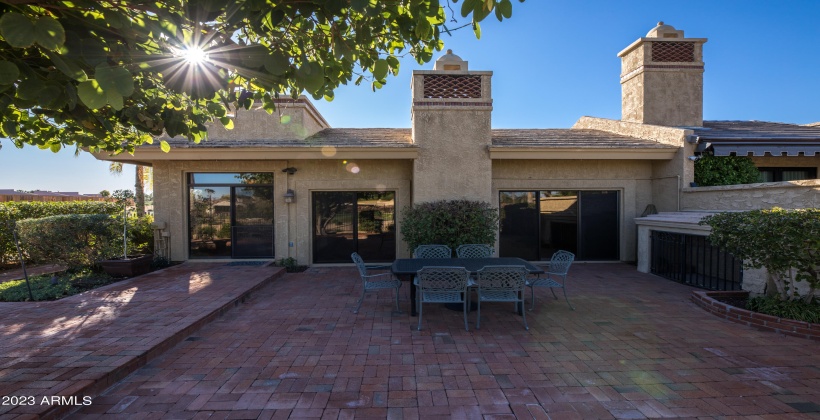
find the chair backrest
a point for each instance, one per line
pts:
(474, 251)
(432, 251)
(502, 277)
(444, 279)
(357, 259)
(560, 262)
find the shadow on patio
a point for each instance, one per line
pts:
(635, 346)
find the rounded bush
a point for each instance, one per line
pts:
(449, 222)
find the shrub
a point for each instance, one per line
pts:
(785, 242)
(725, 170)
(76, 240)
(140, 234)
(797, 310)
(42, 287)
(19, 210)
(290, 264)
(449, 222)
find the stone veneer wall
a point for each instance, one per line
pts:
(788, 195)
(630, 178)
(292, 221)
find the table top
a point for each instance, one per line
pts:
(404, 266)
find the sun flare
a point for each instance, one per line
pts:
(194, 55)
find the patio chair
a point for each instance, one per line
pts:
(375, 282)
(474, 251)
(442, 285)
(502, 283)
(559, 266)
(432, 251)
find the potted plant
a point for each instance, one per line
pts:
(127, 265)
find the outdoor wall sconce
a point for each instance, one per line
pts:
(290, 196)
(290, 170)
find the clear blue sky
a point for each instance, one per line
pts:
(553, 62)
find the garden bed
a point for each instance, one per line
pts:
(723, 304)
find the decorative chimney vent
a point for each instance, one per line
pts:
(452, 86)
(674, 52)
(450, 62)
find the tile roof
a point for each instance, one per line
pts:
(338, 137)
(758, 138)
(756, 130)
(575, 138)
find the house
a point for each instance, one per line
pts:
(293, 186)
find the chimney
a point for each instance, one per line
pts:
(451, 115)
(662, 79)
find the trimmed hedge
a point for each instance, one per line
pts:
(76, 240)
(450, 222)
(713, 170)
(19, 210)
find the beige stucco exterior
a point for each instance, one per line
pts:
(787, 195)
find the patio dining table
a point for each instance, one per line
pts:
(406, 268)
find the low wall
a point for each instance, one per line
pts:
(787, 195)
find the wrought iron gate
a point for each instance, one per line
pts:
(693, 260)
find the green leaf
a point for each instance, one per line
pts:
(68, 66)
(91, 94)
(311, 77)
(17, 29)
(116, 79)
(49, 33)
(359, 5)
(477, 30)
(9, 73)
(467, 7)
(114, 99)
(55, 147)
(277, 64)
(380, 69)
(227, 122)
(164, 146)
(504, 8)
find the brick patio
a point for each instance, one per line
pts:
(635, 347)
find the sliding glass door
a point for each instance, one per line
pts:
(230, 215)
(535, 224)
(346, 221)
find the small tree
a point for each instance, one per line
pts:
(713, 170)
(785, 242)
(450, 222)
(123, 197)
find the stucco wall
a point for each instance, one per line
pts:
(171, 195)
(788, 195)
(453, 161)
(630, 178)
(289, 121)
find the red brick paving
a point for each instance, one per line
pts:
(635, 347)
(81, 345)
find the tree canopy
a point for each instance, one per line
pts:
(110, 75)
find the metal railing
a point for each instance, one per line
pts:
(693, 260)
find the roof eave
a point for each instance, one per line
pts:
(148, 156)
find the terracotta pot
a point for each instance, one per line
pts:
(130, 267)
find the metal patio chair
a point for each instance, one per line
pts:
(432, 251)
(502, 283)
(474, 251)
(442, 285)
(375, 282)
(559, 266)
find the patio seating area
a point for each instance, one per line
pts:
(635, 346)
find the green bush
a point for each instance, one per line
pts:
(140, 234)
(42, 287)
(785, 242)
(450, 222)
(797, 310)
(76, 240)
(713, 170)
(19, 210)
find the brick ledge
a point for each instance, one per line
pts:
(705, 299)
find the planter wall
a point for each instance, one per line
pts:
(705, 299)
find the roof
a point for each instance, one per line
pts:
(758, 138)
(575, 138)
(336, 137)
